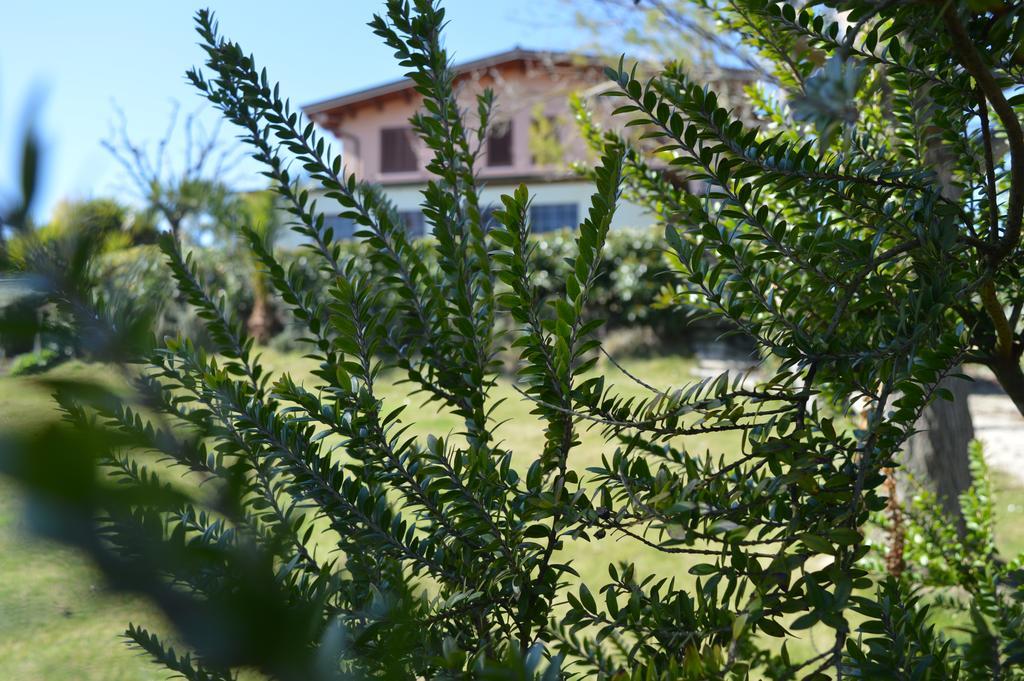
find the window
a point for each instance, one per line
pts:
(415, 224)
(546, 147)
(487, 218)
(396, 152)
(547, 218)
(499, 144)
(697, 187)
(344, 228)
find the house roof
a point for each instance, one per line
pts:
(516, 54)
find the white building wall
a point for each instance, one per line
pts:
(409, 198)
(626, 215)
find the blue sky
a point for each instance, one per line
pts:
(80, 59)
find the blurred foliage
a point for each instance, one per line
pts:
(16, 207)
(303, 531)
(630, 287)
(115, 225)
(951, 576)
(544, 138)
(53, 270)
(34, 362)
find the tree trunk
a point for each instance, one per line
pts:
(937, 456)
(1011, 378)
(260, 321)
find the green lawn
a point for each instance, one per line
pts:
(57, 622)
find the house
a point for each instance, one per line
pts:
(533, 138)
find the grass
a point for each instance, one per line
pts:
(58, 622)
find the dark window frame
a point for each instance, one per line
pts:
(414, 221)
(504, 155)
(550, 217)
(344, 228)
(396, 157)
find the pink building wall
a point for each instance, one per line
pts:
(520, 91)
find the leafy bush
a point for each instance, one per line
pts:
(869, 233)
(105, 220)
(630, 290)
(35, 362)
(633, 278)
(875, 147)
(19, 312)
(141, 273)
(328, 542)
(66, 254)
(962, 577)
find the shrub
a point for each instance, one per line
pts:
(19, 311)
(35, 362)
(104, 220)
(54, 272)
(632, 283)
(446, 554)
(960, 574)
(868, 232)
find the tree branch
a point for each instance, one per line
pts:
(964, 48)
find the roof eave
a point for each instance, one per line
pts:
(401, 84)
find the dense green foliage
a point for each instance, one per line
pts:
(34, 362)
(631, 282)
(881, 163)
(112, 224)
(71, 245)
(867, 234)
(937, 565)
(830, 240)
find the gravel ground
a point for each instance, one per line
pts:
(998, 425)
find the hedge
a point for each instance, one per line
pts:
(631, 285)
